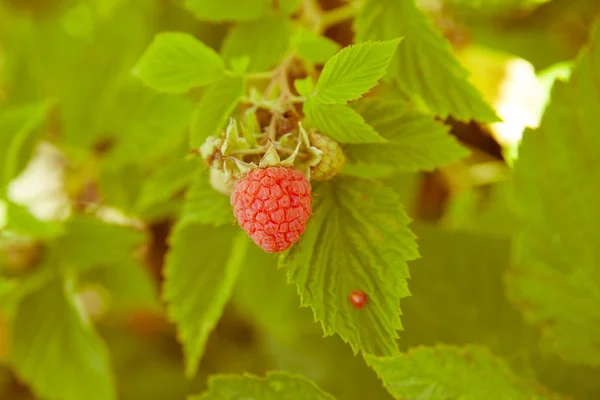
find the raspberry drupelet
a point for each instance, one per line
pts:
(273, 206)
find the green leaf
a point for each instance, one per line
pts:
(20, 221)
(294, 342)
(265, 41)
(262, 293)
(147, 125)
(204, 205)
(447, 372)
(275, 386)
(493, 6)
(50, 332)
(90, 242)
(167, 182)
(305, 86)
(353, 71)
(120, 185)
(289, 7)
(239, 65)
(218, 102)
(424, 67)
(129, 287)
(176, 62)
(358, 239)
(369, 171)
(201, 269)
(474, 306)
(341, 123)
(414, 141)
(313, 47)
(17, 140)
(483, 210)
(555, 279)
(81, 74)
(78, 21)
(228, 10)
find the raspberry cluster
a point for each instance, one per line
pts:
(273, 206)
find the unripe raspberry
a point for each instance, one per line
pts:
(273, 206)
(332, 159)
(219, 182)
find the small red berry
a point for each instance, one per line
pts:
(358, 298)
(273, 206)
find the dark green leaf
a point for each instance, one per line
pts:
(555, 280)
(358, 239)
(201, 268)
(423, 67)
(275, 386)
(50, 332)
(414, 141)
(447, 373)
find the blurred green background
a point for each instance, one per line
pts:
(110, 144)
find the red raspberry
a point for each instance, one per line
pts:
(273, 206)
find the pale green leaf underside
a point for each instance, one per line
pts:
(204, 205)
(198, 284)
(275, 386)
(227, 10)
(214, 109)
(176, 62)
(264, 41)
(423, 66)
(341, 122)
(50, 333)
(449, 373)
(556, 177)
(357, 239)
(353, 71)
(415, 141)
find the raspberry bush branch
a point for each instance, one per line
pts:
(306, 144)
(281, 136)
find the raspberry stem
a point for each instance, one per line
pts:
(257, 76)
(318, 20)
